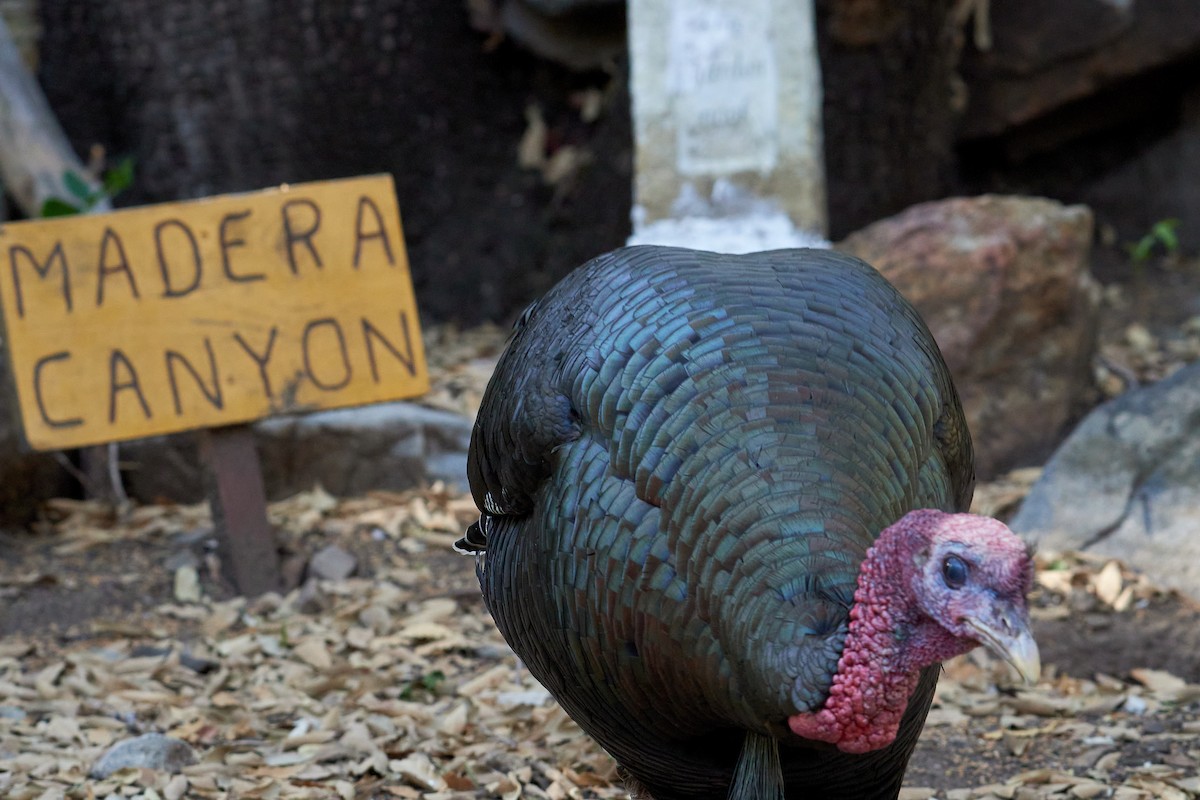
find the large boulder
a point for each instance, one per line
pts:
(1004, 286)
(1126, 484)
(1043, 57)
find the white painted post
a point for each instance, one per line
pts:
(727, 124)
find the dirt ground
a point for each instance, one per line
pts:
(91, 602)
(394, 683)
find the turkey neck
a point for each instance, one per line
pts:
(888, 642)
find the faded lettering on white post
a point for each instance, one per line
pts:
(724, 84)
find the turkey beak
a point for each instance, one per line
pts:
(1006, 633)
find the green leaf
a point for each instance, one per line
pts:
(427, 683)
(1164, 232)
(1140, 251)
(54, 207)
(119, 178)
(431, 680)
(77, 186)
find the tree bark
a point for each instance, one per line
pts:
(217, 97)
(891, 105)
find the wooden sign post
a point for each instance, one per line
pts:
(211, 313)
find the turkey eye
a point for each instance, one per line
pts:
(954, 572)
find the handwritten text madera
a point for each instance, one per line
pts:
(210, 312)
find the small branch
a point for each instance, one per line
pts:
(75, 472)
(114, 476)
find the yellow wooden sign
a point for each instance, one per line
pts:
(209, 312)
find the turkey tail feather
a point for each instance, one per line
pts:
(759, 774)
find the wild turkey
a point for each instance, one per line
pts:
(695, 473)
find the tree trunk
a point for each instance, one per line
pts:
(891, 105)
(216, 97)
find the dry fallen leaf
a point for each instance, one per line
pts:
(1166, 686)
(397, 683)
(1107, 583)
(187, 584)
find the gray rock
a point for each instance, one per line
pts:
(310, 599)
(182, 558)
(148, 751)
(1126, 484)
(12, 712)
(332, 563)
(353, 450)
(391, 446)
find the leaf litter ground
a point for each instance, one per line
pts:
(394, 682)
